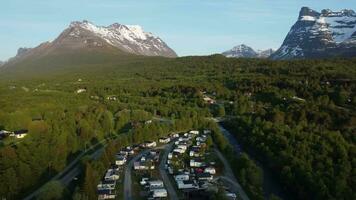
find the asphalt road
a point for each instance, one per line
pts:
(170, 188)
(230, 177)
(127, 179)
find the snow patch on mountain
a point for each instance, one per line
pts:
(130, 38)
(244, 51)
(317, 34)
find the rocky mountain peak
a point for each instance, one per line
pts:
(323, 34)
(306, 11)
(244, 51)
(129, 38)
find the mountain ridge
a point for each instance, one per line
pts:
(244, 51)
(320, 35)
(78, 35)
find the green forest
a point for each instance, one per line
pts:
(296, 117)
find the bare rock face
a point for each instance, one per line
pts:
(320, 35)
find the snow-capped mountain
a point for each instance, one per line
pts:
(129, 38)
(244, 51)
(86, 36)
(320, 35)
(265, 53)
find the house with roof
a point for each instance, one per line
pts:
(107, 185)
(164, 140)
(194, 132)
(111, 174)
(204, 177)
(210, 170)
(181, 177)
(120, 160)
(159, 193)
(19, 133)
(146, 164)
(5, 133)
(106, 194)
(155, 184)
(187, 185)
(196, 163)
(149, 144)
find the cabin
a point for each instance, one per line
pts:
(194, 132)
(107, 185)
(205, 177)
(19, 134)
(174, 135)
(106, 194)
(150, 144)
(164, 140)
(187, 185)
(111, 174)
(144, 165)
(81, 90)
(181, 177)
(178, 150)
(210, 170)
(196, 163)
(5, 133)
(155, 184)
(159, 193)
(120, 160)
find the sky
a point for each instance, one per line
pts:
(190, 27)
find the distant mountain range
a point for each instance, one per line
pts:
(315, 35)
(85, 35)
(244, 51)
(320, 35)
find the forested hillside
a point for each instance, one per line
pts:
(297, 117)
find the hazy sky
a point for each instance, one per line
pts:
(190, 27)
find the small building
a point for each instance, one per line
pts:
(20, 133)
(106, 194)
(81, 90)
(159, 193)
(111, 174)
(5, 133)
(155, 184)
(182, 146)
(144, 165)
(164, 140)
(205, 177)
(178, 150)
(107, 185)
(187, 185)
(120, 160)
(181, 177)
(210, 170)
(196, 163)
(150, 144)
(194, 132)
